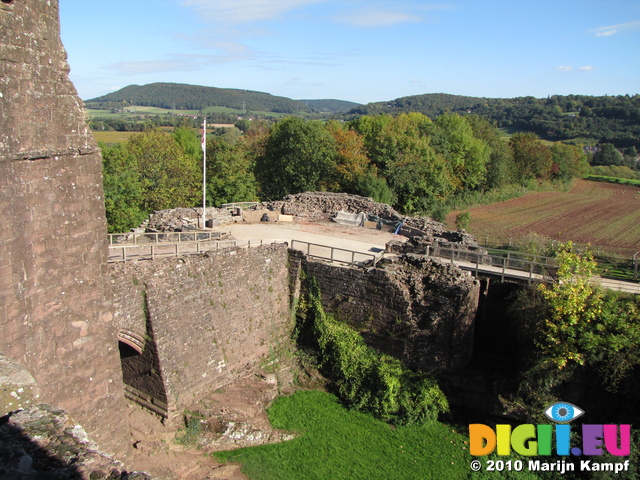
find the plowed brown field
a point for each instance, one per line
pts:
(602, 214)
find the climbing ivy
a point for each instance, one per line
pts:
(363, 377)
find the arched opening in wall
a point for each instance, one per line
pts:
(143, 382)
(127, 351)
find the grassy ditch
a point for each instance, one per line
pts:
(339, 443)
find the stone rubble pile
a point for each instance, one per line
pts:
(181, 219)
(318, 204)
(321, 206)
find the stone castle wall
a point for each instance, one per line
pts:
(207, 319)
(413, 307)
(210, 318)
(55, 316)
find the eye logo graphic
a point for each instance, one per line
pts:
(562, 412)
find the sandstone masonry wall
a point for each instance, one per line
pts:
(213, 317)
(413, 307)
(54, 313)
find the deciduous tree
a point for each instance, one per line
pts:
(298, 156)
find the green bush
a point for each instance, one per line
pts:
(462, 220)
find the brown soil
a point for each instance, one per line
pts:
(231, 417)
(159, 451)
(602, 214)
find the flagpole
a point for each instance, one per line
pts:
(204, 174)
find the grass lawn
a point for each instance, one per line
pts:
(336, 443)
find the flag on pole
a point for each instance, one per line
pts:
(204, 173)
(204, 136)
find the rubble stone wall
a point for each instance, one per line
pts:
(54, 313)
(415, 308)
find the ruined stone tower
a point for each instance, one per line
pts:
(55, 318)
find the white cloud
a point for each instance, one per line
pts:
(415, 80)
(377, 18)
(181, 63)
(614, 29)
(386, 14)
(242, 11)
(606, 33)
(570, 68)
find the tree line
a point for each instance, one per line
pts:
(408, 161)
(586, 119)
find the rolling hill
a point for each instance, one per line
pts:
(194, 97)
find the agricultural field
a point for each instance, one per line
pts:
(137, 110)
(603, 214)
(112, 137)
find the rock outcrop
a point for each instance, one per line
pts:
(44, 442)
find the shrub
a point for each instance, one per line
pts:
(462, 220)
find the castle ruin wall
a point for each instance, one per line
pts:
(55, 316)
(210, 318)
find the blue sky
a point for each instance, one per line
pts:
(357, 50)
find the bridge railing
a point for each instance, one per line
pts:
(501, 262)
(243, 205)
(151, 251)
(334, 254)
(164, 237)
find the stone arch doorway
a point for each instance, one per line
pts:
(141, 374)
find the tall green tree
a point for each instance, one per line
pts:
(466, 155)
(400, 148)
(123, 189)
(570, 161)
(532, 158)
(298, 156)
(170, 178)
(230, 176)
(608, 154)
(501, 169)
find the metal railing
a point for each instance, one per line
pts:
(334, 254)
(131, 238)
(504, 263)
(151, 251)
(243, 205)
(617, 262)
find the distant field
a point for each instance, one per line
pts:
(603, 214)
(112, 137)
(119, 137)
(136, 110)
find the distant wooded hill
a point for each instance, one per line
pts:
(606, 119)
(193, 97)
